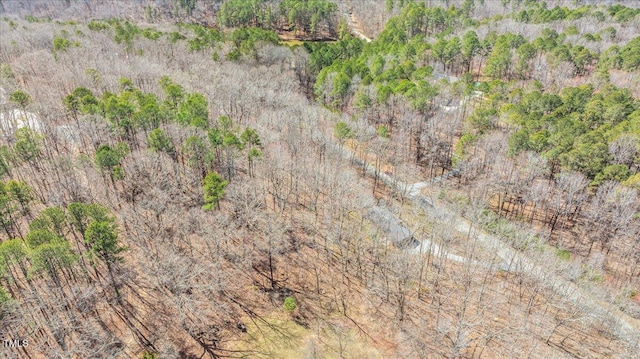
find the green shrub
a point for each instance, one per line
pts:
(289, 304)
(563, 254)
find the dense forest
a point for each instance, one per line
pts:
(319, 179)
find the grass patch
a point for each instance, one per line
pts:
(563, 254)
(282, 337)
(292, 42)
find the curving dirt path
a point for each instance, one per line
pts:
(353, 25)
(512, 260)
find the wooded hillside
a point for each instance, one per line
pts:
(187, 179)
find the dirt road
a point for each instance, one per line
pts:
(353, 25)
(512, 259)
